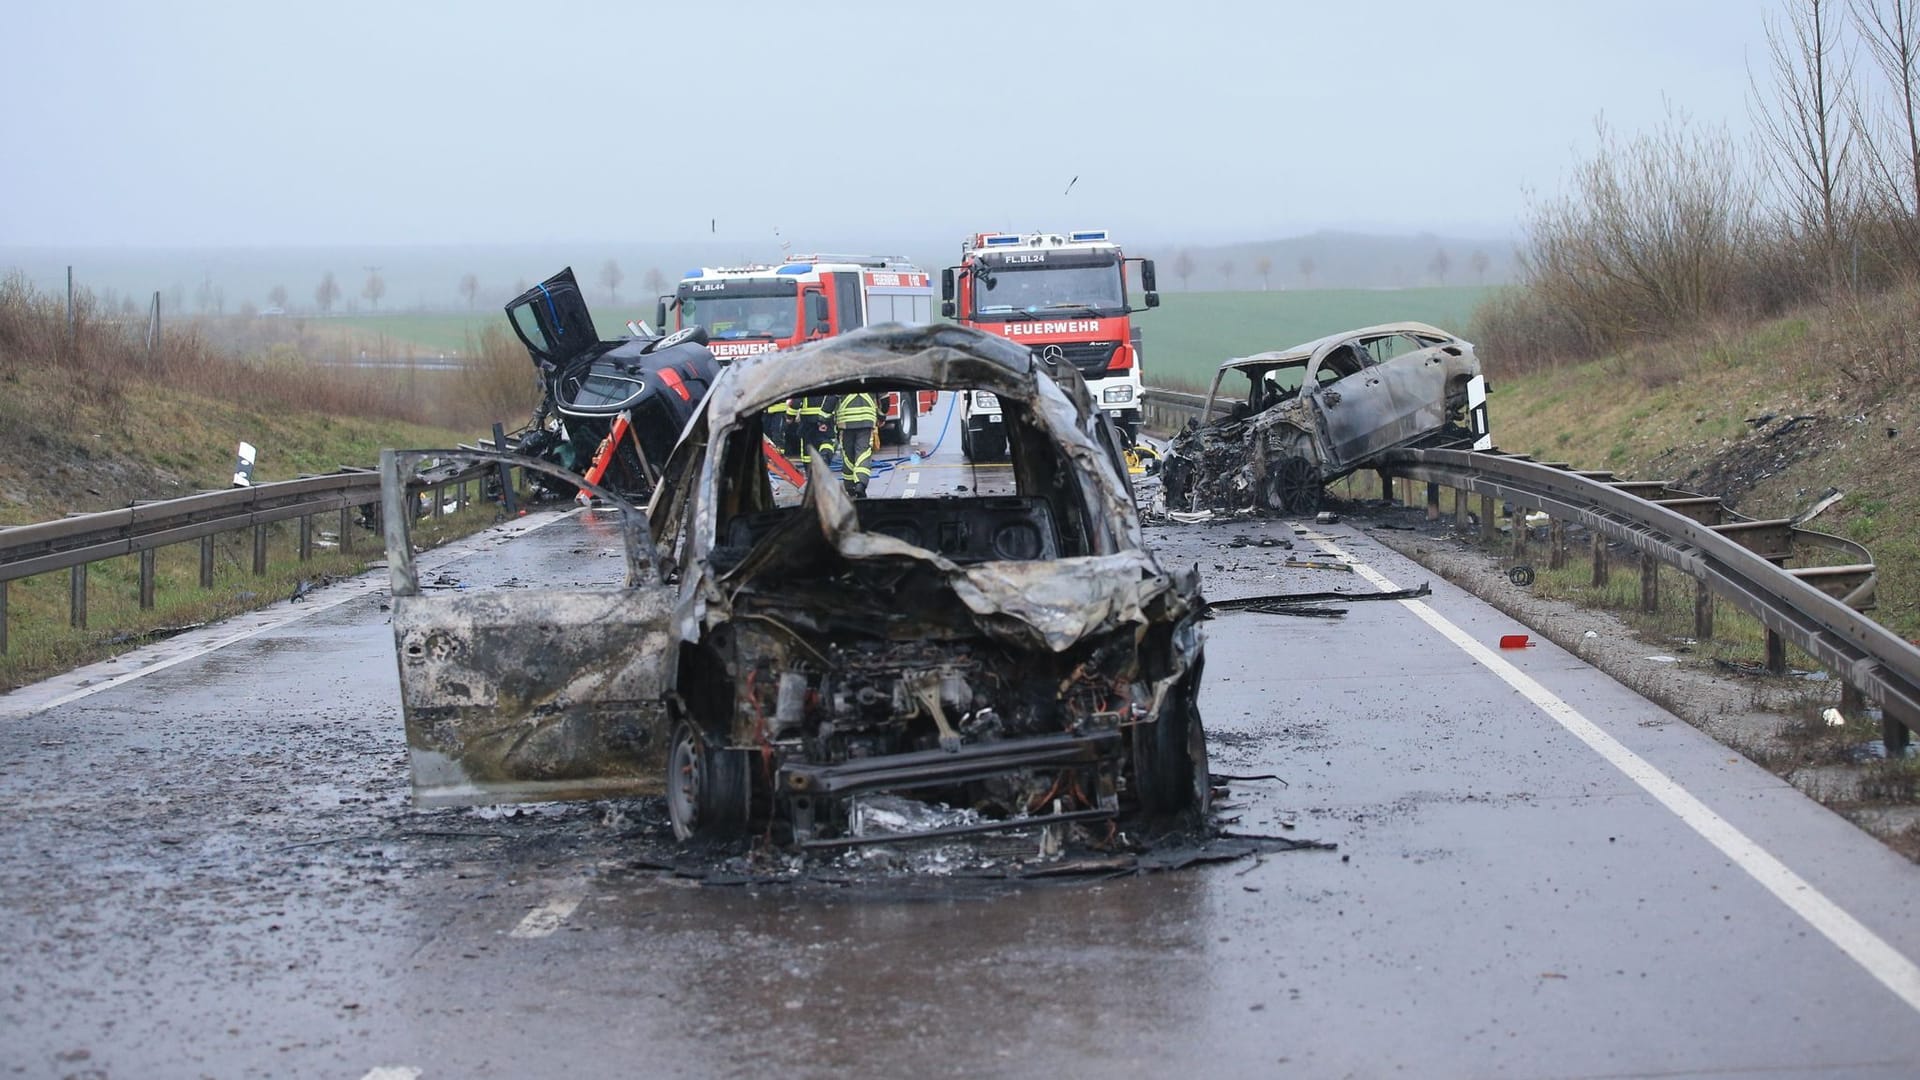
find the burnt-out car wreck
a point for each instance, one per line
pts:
(776, 656)
(1298, 419)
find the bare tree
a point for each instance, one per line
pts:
(1439, 265)
(1804, 121)
(203, 295)
(1479, 262)
(1306, 268)
(611, 276)
(375, 288)
(1183, 268)
(1888, 29)
(327, 293)
(277, 296)
(1226, 271)
(1264, 267)
(469, 288)
(656, 282)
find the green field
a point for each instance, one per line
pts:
(448, 331)
(1185, 338)
(1189, 334)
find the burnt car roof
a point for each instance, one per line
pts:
(931, 357)
(1305, 350)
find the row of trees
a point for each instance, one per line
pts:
(1437, 268)
(211, 299)
(1664, 229)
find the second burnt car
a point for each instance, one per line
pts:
(778, 655)
(1300, 418)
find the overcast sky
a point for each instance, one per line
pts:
(188, 123)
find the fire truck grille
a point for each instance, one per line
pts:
(1091, 357)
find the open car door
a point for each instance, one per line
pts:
(516, 695)
(552, 320)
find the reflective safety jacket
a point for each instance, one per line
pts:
(810, 406)
(856, 410)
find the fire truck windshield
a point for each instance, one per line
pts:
(730, 317)
(1015, 291)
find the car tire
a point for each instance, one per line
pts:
(966, 441)
(709, 790)
(1176, 480)
(1293, 486)
(1170, 771)
(989, 445)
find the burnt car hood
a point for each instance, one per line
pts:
(1046, 604)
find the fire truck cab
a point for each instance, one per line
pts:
(760, 308)
(1063, 296)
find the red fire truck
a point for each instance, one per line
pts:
(756, 309)
(1065, 298)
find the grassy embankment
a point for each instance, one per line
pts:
(95, 422)
(1713, 411)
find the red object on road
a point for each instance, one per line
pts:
(1515, 641)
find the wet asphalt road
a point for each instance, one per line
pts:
(212, 870)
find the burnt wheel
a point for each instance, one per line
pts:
(1170, 774)
(1293, 486)
(709, 791)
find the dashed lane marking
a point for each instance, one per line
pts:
(1872, 952)
(548, 917)
(392, 1072)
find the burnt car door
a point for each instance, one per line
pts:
(1415, 374)
(552, 321)
(1352, 402)
(513, 694)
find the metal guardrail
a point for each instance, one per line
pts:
(1749, 563)
(74, 543)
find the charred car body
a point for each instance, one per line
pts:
(1300, 418)
(777, 655)
(642, 389)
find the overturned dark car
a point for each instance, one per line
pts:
(778, 655)
(1300, 418)
(611, 409)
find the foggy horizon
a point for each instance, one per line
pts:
(364, 126)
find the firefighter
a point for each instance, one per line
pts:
(816, 429)
(855, 415)
(777, 424)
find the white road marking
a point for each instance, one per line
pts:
(1869, 950)
(392, 1072)
(23, 703)
(913, 484)
(548, 917)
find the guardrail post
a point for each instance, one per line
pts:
(206, 562)
(435, 495)
(508, 497)
(1461, 519)
(1386, 486)
(259, 550)
(1896, 729)
(146, 579)
(346, 529)
(1649, 583)
(460, 497)
(1517, 524)
(77, 597)
(1776, 654)
(1601, 568)
(1433, 501)
(1703, 612)
(1557, 541)
(1489, 528)
(306, 537)
(3, 617)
